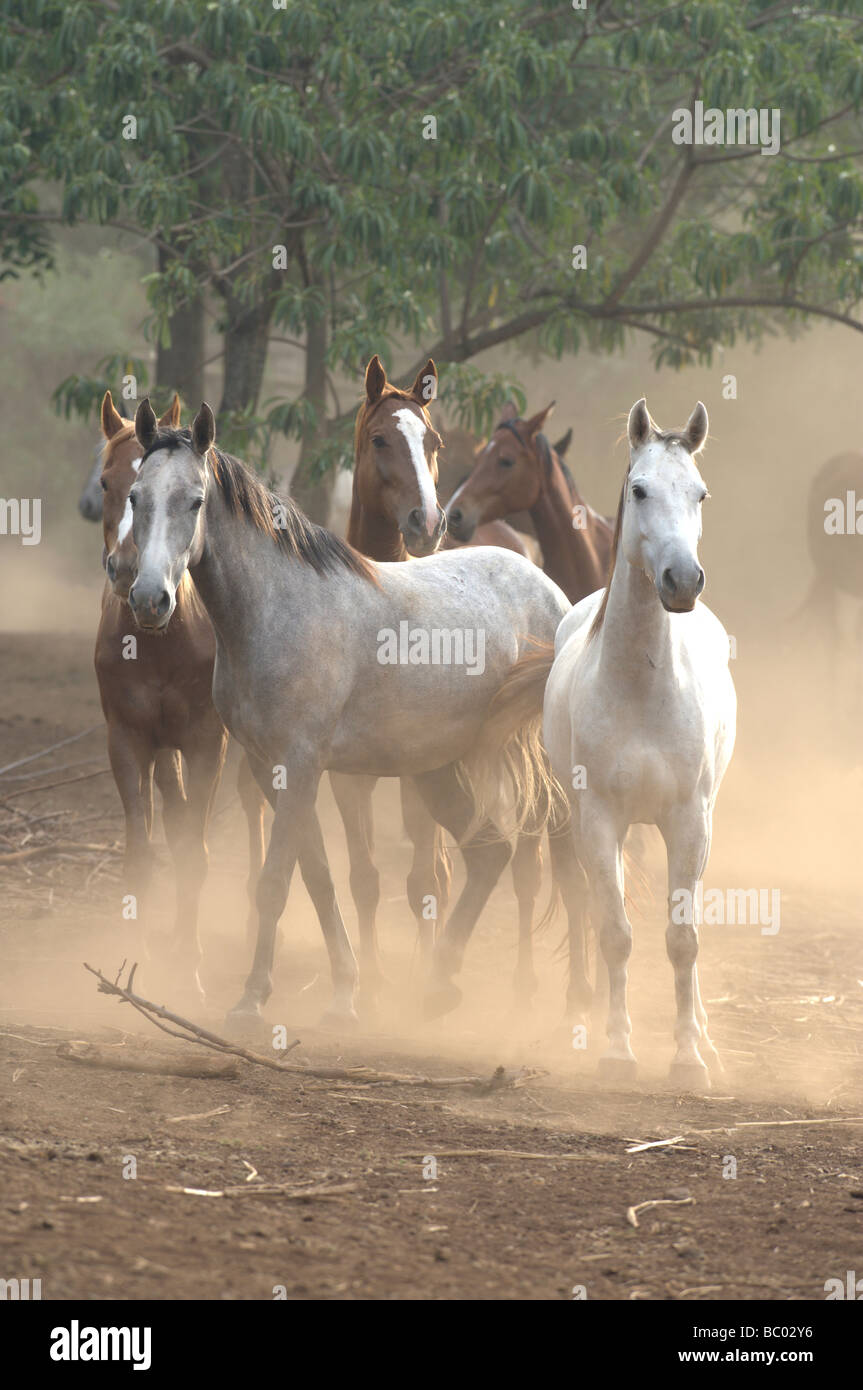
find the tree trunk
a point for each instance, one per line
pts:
(180, 367)
(311, 492)
(246, 339)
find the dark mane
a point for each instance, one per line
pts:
(277, 517)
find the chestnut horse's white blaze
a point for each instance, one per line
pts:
(413, 427)
(640, 696)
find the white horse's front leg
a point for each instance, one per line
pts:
(599, 846)
(687, 839)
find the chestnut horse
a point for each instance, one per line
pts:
(156, 693)
(395, 514)
(518, 470)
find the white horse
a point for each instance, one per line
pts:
(639, 723)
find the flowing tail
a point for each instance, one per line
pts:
(507, 773)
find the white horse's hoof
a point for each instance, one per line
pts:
(689, 1076)
(621, 1070)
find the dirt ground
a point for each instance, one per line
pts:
(528, 1193)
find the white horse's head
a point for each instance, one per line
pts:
(663, 493)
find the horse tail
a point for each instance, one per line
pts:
(507, 773)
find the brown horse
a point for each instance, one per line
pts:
(519, 470)
(395, 514)
(156, 697)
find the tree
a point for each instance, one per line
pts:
(445, 179)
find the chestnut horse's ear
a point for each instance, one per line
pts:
(171, 417)
(203, 430)
(638, 426)
(536, 422)
(376, 380)
(510, 411)
(112, 420)
(146, 424)
(696, 428)
(424, 389)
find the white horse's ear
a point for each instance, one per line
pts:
(696, 428)
(638, 427)
(146, 424)
(376, 380)
(203, 430)
(536, 422)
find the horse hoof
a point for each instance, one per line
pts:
(340, 1021)
(689, 1076)
(244, 1023)
(440, 1000)
(618, 1069)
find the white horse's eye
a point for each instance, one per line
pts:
(197, 504)
(638, 492)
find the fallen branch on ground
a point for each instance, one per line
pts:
(91, 1056)
(632, 1212)
(366, 1076)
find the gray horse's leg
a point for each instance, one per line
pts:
(485, 857)
(296, 835)
(253, 803)
(353, 796)
(431, 872)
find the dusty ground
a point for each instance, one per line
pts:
(540, 1210)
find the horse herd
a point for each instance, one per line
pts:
(227, 610)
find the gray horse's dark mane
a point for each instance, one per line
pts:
(277, 517)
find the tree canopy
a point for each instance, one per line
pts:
(412, 179)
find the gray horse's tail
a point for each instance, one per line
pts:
(507, 773)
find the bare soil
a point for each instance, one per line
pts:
(535, 1208)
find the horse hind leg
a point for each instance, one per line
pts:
(526, 868)
(485, 857)
(571, 880)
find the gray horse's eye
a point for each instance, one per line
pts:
(197, 504)
(132, 500)
(638, 492)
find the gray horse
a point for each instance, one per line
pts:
(328, 662)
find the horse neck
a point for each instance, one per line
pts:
(568, 552)
(374, 535)
(636, 629)
(237, 564)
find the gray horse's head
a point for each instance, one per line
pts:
(167, 502)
